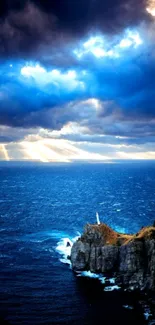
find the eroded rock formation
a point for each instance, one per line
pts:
(130, 258)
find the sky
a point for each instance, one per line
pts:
(77, 80)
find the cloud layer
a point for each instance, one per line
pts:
(78, 63)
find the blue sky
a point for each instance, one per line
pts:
(77, 87)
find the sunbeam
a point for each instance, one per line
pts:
(5, 153)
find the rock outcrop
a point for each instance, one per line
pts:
(130, 258)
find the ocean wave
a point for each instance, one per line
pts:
(104, 280)
(88, 274)
(65, 261)
(116, 204)
(4, 256)
(147, 314)
(64, 248)
(128, 307)
(41, 237)
(112, 288)
(121, 230)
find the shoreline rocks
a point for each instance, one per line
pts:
(130, 258)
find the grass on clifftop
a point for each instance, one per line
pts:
(144, 233)
(107, 236)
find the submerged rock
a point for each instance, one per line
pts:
(68, 244)
(131, 258)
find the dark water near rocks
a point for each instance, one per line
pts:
(40, 205)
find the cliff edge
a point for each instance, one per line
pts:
(130, 258)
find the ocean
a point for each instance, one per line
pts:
(41, 208)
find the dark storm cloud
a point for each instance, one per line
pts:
(127, 85)
(50, 31)
(26, 103)
(24, 31)
(29, 27)
(124, 87)
(80, 16)
(13, 134)
(27, 106)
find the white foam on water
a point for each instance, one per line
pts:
(89, 274)
(147, 313)
(92, 275)
(116, 204)
(128, 307)
(64, 261)
(65, 251)
(131, 288)
(121, 230)
(44, 236)
(64, 248)
(38, 241)
(102, 279)
(112, 288)
(112, 280)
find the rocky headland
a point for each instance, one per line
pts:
(128, 258)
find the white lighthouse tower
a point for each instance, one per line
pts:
(97, 218)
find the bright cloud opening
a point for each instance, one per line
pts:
(131, 39)
(53, 150)
(68, 80)
(100, 47)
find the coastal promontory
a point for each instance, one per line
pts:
(129, 258)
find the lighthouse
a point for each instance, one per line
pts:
(97, 218)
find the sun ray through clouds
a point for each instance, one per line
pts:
(57, 150)
(5, 152)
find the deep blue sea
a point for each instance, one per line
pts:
(41, 207)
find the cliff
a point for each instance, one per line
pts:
(130, 258)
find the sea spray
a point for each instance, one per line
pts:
(64, 247)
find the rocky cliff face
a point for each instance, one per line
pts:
(131, 259)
